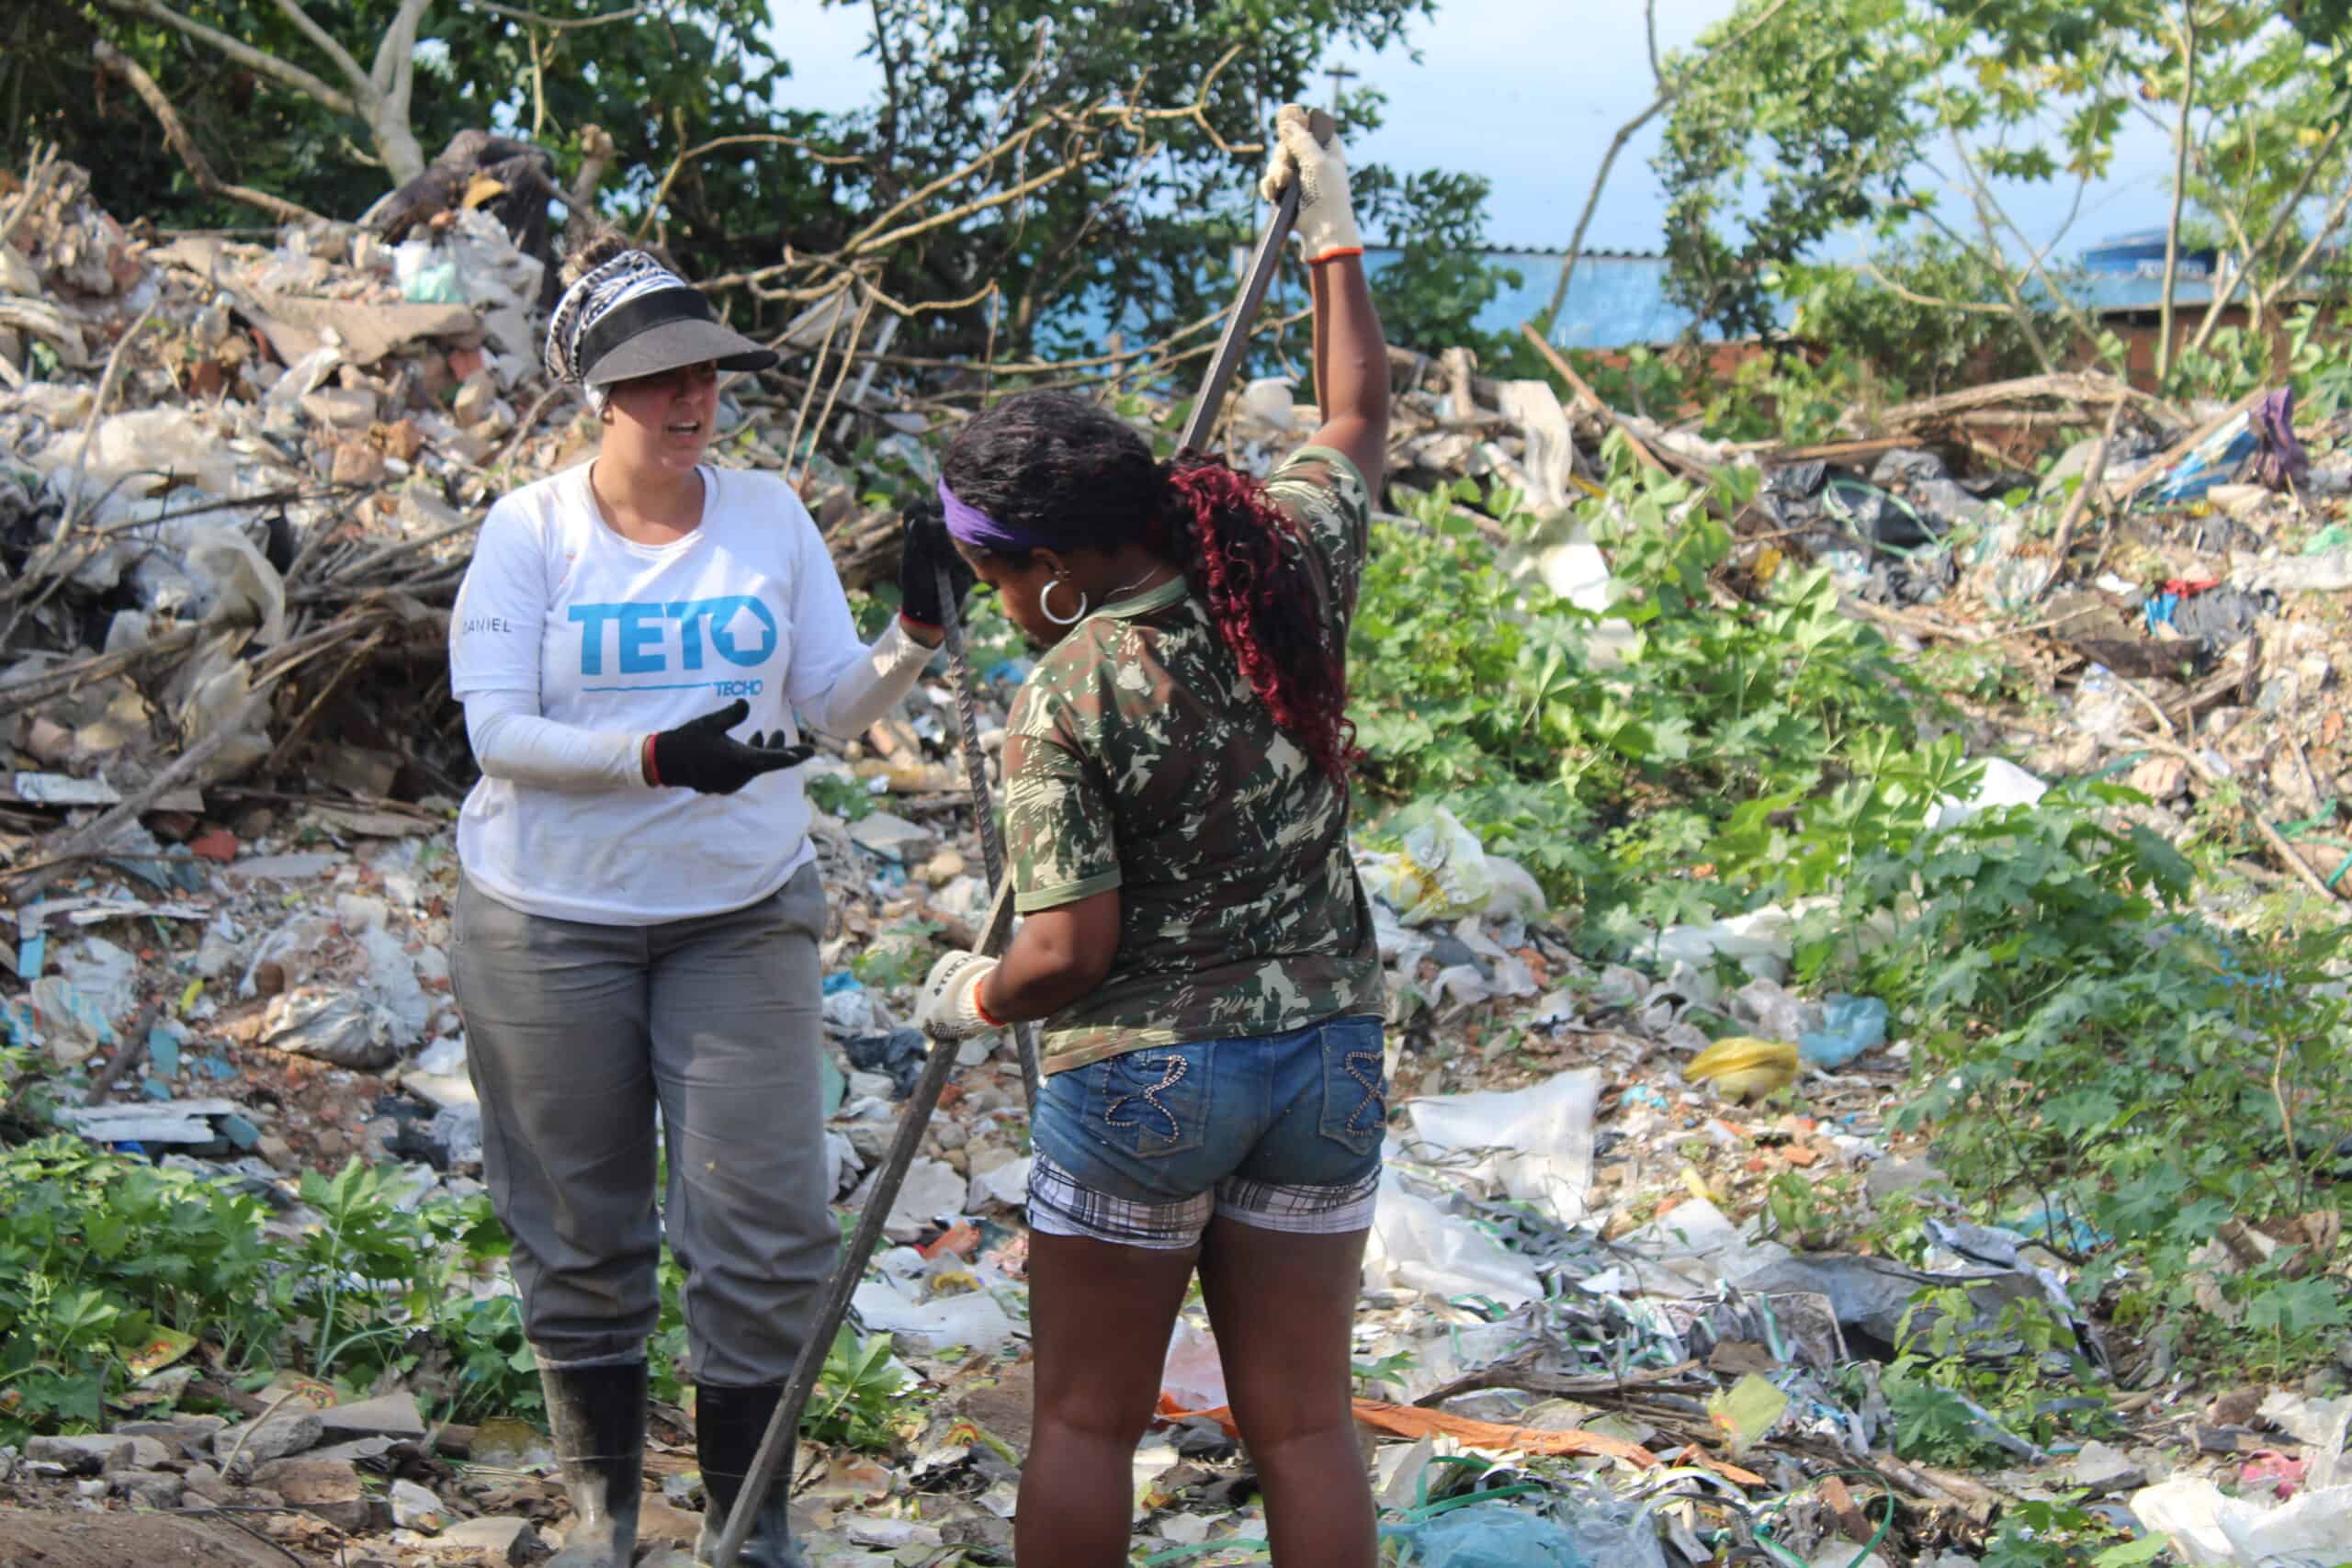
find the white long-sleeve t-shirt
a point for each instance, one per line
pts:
(571, 644)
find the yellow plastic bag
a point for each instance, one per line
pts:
(1745, 1068)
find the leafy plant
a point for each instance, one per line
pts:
(839, 795)
(97, 1253)
(858, 1395)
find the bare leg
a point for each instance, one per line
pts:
(1281, 1305)
(1099, 1315)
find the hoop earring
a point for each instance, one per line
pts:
(1045, 607)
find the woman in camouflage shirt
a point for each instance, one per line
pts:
(1196, 941)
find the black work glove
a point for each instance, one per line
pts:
(924, 548)
(700, 755)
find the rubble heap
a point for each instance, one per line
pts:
(1618, 1304)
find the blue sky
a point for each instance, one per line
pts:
(1526, 93)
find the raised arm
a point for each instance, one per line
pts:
(1350, 356)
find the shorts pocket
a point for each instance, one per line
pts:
(1152, 1102)
(1355, 1084)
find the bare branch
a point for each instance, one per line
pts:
(114, 60)
(1666, 94)
(2328, 226)
(325, 43)
(245, 54)
(970, 208)
(1970, 307)
(2179, 188)
(2281, 221)
(560, 24)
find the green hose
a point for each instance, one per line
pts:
(1791, 1559)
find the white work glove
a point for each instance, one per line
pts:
(950, 1008)
(1327, 223)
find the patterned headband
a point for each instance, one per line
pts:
(629, 276)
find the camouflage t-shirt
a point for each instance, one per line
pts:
(1138, 757)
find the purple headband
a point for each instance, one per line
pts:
(970, 525)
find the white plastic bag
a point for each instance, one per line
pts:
(1442, 874)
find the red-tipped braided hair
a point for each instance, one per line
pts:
(1251, 566)
(1074, 475)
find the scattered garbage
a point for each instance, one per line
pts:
(1850, 1027)
(1599, 1323)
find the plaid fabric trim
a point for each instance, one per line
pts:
(1059, 1205)
(1301, 1210)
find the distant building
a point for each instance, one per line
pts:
(1619, 297)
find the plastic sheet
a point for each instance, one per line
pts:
(1492, 1534)
(1442, 874)
(1850, 1027)
(1417, 1246)
(1534, 1144)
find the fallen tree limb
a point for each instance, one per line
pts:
(1585, 394)
(2086, 389)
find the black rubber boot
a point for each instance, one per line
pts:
(728, 1425)
(597, 1417)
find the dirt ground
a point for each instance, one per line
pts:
(38, 1537)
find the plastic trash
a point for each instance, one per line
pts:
(1760, 941)
(2215, 460)
(1266, 401)
(2003, 783)
(1850, 1027)
(1745, 1068)
(1771, 1009)
(2281, 463)
(1533, 1144)
(1194, 1375)
(971, 1321)
(428, 276)
(2209, 1529)
(1517, 895)
(898, 1055)
(2328, 573)
(1488, 1535)
(1442, 874)
(1417, 1246)
(244, 586)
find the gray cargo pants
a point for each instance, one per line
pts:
(577, 1036)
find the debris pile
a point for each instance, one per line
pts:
(1624, 1301)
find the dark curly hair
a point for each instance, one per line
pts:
(1076, 476)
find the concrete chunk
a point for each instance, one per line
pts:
(79, 1456)
(501, 1540)
(388, 1415)
(270, 1437)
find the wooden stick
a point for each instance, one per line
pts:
(1567, 373)
(2094, 475)
(183, 767)
(2293, 862)
(129, 1055)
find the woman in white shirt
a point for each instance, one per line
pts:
(636, 934)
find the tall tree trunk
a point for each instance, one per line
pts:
(2179, 185)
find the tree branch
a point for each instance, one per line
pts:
(325, 43)
(245, 54)
(1668, 93)
(558, 24)
(2179, 188)
(1970, 307)
(2281, 217)
(115, 62)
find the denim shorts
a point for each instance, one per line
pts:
(1278, 1131)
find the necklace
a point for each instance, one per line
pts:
(1130, 588)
